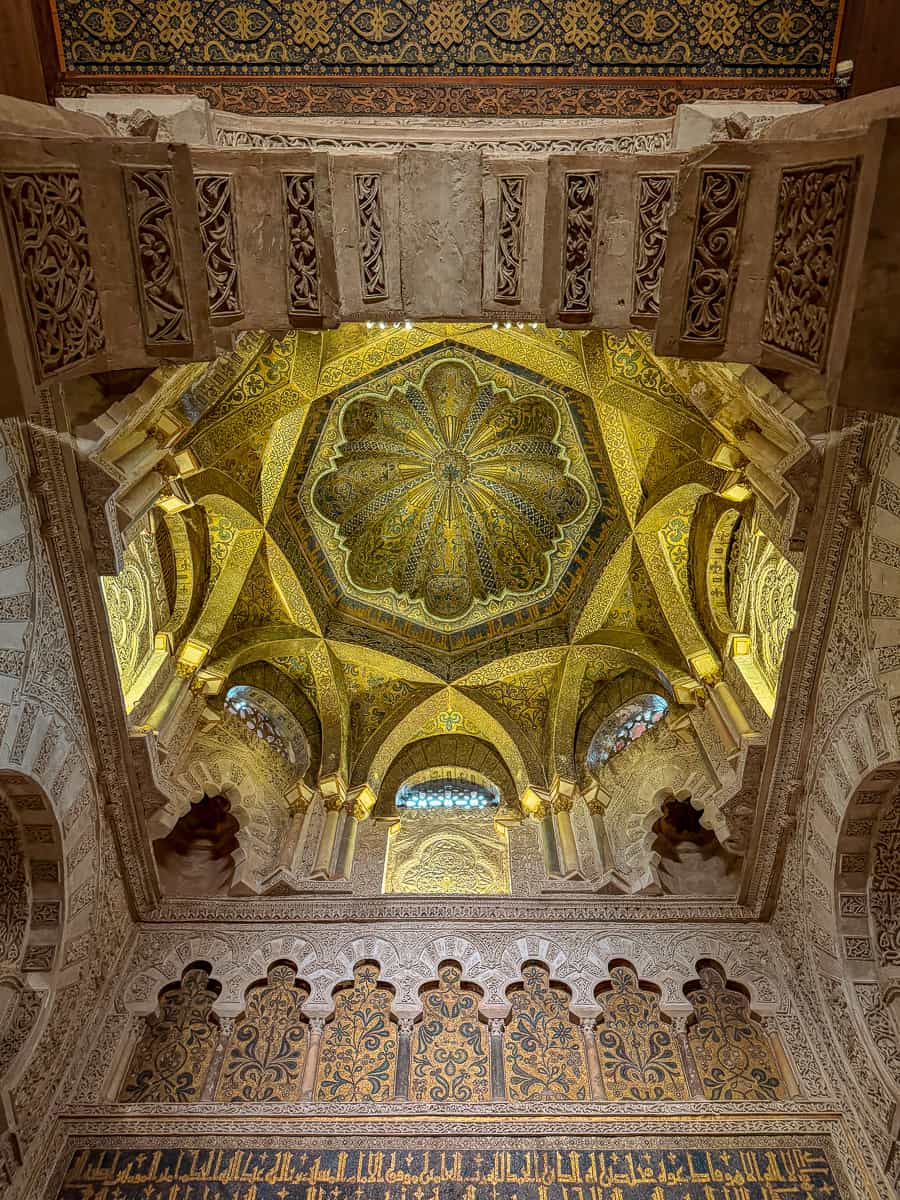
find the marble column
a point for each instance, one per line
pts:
(679, 1026)
(565, 835)
(498, 1074)
(731, 710)
(548, 844)
(588, 1026)
(316, 1026)
(299, 810)
(730, 743)
(226, 1028)
(322, 867)
(404, 1051)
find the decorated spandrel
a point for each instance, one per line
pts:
(449, 1059)
(267, 1050)
(358, 1053)
(733, 1055)
(542, 1048)
(172, 1058)
(639, 1057)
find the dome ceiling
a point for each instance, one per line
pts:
(444, 496)
(404, 533)
(451, 490)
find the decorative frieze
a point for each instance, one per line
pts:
(215, 208)
(510, 239)
(372, 270)
(49, 240)
(814, 208)
(302, 251)
(717, 235)
(654, 206)
(578, 245)
(157, 256)
(411, 137)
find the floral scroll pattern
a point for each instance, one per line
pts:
(885, 887)
(510, 238)
(733, 1056)
(215, 206)
(49, 240)
(720, 214)
(542, 1048)
(654, 202)
(639, 1058)
(358, 1055)
(303, 257)
(13, 891)
(157, 256)
(173, 1056)
(447, 38)
(372, 271)
(814, 205)
(578, 252)
(266, 1053)
(450, 1051)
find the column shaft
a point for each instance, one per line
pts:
(588, 1026)
(316, 1025)
(325, 854)
(404, 1047)
(548, 846)
(498, 1074)
(568, 851)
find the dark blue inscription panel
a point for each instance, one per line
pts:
(655, 1174)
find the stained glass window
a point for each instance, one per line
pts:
(257, 720)
(447, 793)
(624, 726)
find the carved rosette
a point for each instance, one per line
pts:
(814, 207)
(372, 272)
(215, 208)
(578, 246)
(157, 256)
(49, 240)
(302, 251)
(510, 239)
(717, 234)
(654, 206)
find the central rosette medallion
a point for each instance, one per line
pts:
(451, 492)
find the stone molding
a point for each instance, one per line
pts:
(784, 1125)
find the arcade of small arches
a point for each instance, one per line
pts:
(453, 1046)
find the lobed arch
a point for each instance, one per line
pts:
(409, 728)
(467, 753)
(35, 925)
(265, 677)
(609, 697)
(866, 908)
(263, 818)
